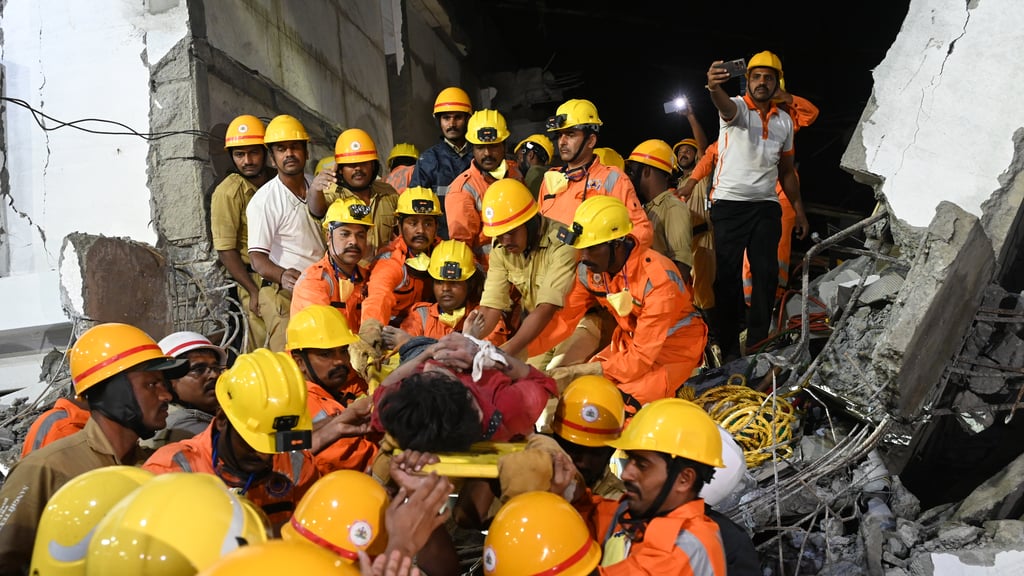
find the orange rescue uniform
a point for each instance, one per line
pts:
(354, 453)
(320, 284)
(560, 206)
(684, 542)
(399, 177)
(393, 288)
(64, 419)
(463, 203)
(293, 473)
(425, 320)
(658, 343)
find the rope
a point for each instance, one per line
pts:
(761, 424)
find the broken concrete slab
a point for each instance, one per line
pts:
(998, 498)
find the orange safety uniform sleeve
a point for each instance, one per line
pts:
(564, 322)
(460, 209)
(381, 291)
(706, 163)
(804, 113)
(353, 453)
(415, 324)
(400, 176)
(319, 285)
(64, 419)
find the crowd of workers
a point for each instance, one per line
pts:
(508, 328)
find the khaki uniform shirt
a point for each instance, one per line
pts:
(673, 232)
(33, 481)
(544, 276)
(228, 223)
(383, 202)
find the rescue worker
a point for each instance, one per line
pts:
(441, 163)
(487, 133)
(229, 226)
(194, 395)
(398, 279)
(696, 166)
(71, 515)
(609, 157)
(258, 442)
(534, 154)
(284, 239)
(67, 416)
(339, 279)
(457, 286)
(123, 375)
(318, 340)
(539, 533)
(649, 168)
(357, 176)
(659, 338)
(755, 152)
(576, 126)
(173, 524)
(673, 447)
(401, 164)
(530, 272)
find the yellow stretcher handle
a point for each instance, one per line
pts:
(480, 462)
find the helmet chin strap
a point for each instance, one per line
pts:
(116, 400)
(673, 467)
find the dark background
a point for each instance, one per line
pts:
(632, 57)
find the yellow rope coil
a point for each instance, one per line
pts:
(756, 422)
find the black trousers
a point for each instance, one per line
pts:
(754, 227)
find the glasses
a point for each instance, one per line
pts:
(200, 370)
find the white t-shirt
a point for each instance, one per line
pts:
(748, 154)
(281, 226)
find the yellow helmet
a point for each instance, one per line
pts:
(537, 140)
(654, 153)
(403, 150)
(279, 557)
(590, 412)
(486, 127)
(610, 157)
(349, 210)
(342, 512)
(507, 204)
(72, 513)
(176, 523)
(598, 219)
(575, 112)
(765, 59)
(685, 142)
(285, 128)
(539, 533)
(264, 397)
(325, 162)
(318, 326)
(418, 200)
(452, 261)
(244, 130)
(109, 349)
(452, 99)
(675, 427)
(354, 146)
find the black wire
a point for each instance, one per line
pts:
(41, 117)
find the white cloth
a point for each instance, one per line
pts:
(487, 357)
(281, 226)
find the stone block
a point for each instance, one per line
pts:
(996, 498)
(106, 279)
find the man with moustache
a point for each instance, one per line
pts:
(359, 168)
(660, 526)
(487, 133)
(755, 150)
(123, 375)
(318, 340)
(442, 162)
(339, 279)
(194, 402)
(258, 443)
(228, 224)
(659, 337)
(284, 239)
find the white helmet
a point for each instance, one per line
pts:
(179, 343)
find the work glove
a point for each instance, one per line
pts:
(534, 468)
(381, 467)
(362, 357)
(370, 332)
(564, 375)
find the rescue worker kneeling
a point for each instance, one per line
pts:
(673, 447)
(319, 340)
(659, 337)
(258, 442)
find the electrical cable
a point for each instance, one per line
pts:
(41, 118)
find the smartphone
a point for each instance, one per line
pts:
(678, 104)
(736, 68)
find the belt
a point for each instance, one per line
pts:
(700, 229)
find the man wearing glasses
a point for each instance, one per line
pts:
(194, 397)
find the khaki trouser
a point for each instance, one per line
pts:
(257, 327)
(275, 307)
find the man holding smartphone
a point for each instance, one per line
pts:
(756, 150)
